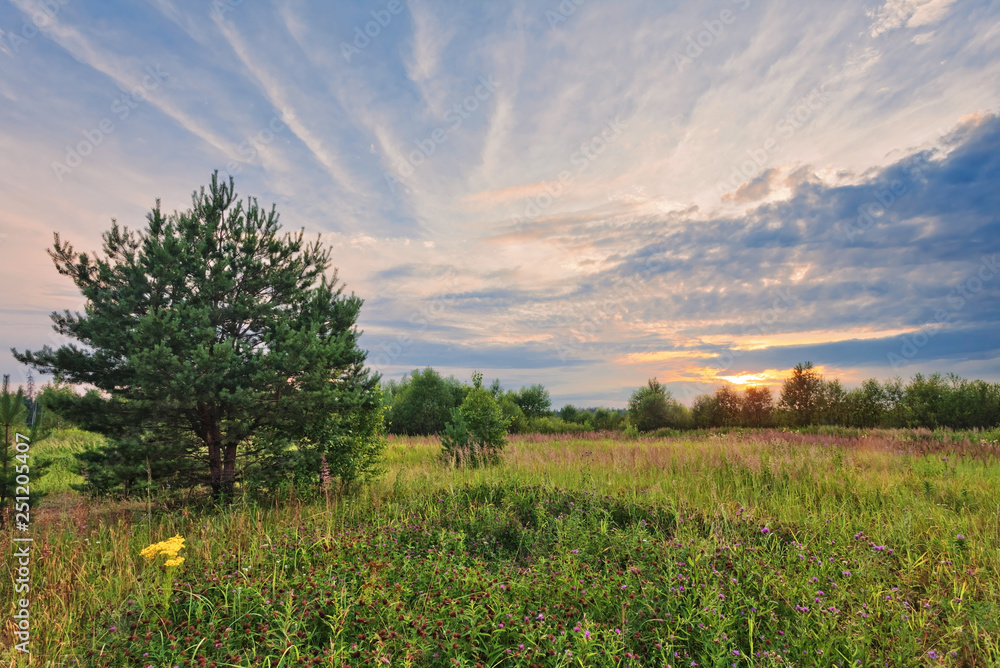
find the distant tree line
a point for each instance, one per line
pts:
(806, 399)
(422, 403)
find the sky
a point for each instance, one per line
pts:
(578, 193)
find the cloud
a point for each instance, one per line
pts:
(126, 72)
(280, 98)
(756, 189)
(895, 14)
(642, 263)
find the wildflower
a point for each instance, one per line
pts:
(765, 530)
(169, 547)
(325, 479)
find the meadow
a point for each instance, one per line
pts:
(769, 548)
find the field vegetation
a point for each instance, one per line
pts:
(839, 547)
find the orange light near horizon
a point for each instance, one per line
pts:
(707, 374)
(765, 377)
(746, 379)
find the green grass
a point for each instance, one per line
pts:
(720, 549)
(59, 448)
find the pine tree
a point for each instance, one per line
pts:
(214, 342)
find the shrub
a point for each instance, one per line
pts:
(605, 419)
(518, 423)
(553, 425)
(477, 432)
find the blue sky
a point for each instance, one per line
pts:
(580, 193)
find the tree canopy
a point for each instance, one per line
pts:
(422, 402)
(653, 407)
(214, 343)
(802, 395)
(534, 400)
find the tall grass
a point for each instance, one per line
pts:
(769, 548)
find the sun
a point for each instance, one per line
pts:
(746, 379)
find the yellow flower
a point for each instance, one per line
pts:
(176, 561)
(169, 547)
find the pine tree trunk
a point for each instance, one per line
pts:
(212, 436)
(215, 468)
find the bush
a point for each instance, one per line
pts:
(518, 423)
(554, 425)
(353, 449)
(605, 419)
(477, 432)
